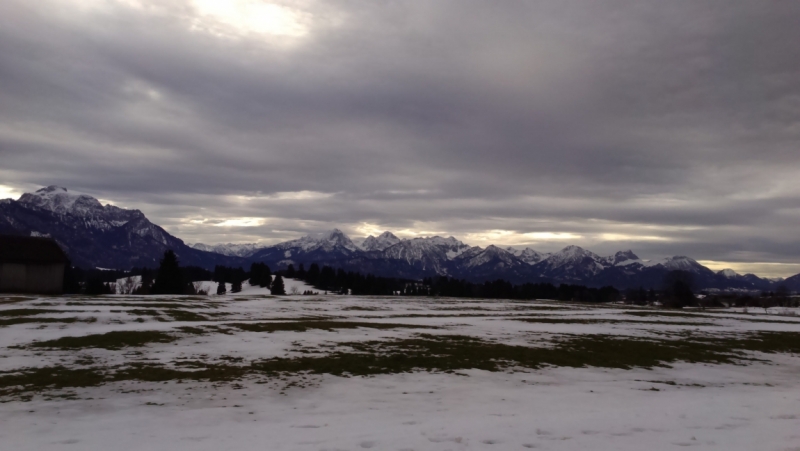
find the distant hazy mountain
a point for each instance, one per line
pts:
(96, 235)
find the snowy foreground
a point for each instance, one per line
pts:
(250, 371)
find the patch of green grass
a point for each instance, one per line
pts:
(201, 371)
(26, 312)
(543, 307)
(716, 315)
(193, 305)
(111, 340)
(193, 330)
(302, 326)
(423, 352)
(664, 313)
(451, 353)
(183, 315)
(767, 342)
(549, 320)
(55, 377)
(447, 315)
(12, 321)
(156, 303)
(143, 312)
(12, 299)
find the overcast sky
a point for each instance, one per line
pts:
(668, 127)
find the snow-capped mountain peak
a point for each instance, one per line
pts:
(81, 207)
(728, 273)
(229, 249)
(381, 242)
(528, 255)
(476, 257)
(426, 253)
(678, 263)
(58, 200)
(622, 258)
(571, 255)
(327, 241)
(572, 263)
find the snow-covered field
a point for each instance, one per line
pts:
(252, 371)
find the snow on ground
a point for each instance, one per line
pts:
(742, 405)
(210, 287)
(127, 285)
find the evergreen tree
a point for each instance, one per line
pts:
(312, 276)
(169, 279)
(256, 274)
(290, 273)
(219, 274)
(95, 286)
(260, 275)
(236, 286)
(221, 288)
(678, 289)
(147, 282)
(266, 277)
(71, 279)
(277, 286)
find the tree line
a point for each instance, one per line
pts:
(171, 278)
(344, 282)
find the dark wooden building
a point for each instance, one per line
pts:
(31, 265)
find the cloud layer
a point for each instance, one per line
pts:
(666, 127)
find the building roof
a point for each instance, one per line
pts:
(29, 249)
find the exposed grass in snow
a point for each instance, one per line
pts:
(183, 315)
(550, 320)
(13, 299)
(425, 352)
(111, 340)
(26, 312)
(713, 315)
(664, 313)
(149, 305)
(302, 326)
(311, 335)
(13, 321)
(350, 372)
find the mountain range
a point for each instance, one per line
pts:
(105, 236)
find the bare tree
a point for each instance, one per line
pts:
(678, 287)
(294, 290)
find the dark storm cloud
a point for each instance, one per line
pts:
(669, 127)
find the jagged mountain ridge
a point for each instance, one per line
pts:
(95, 235)
(229, 249)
